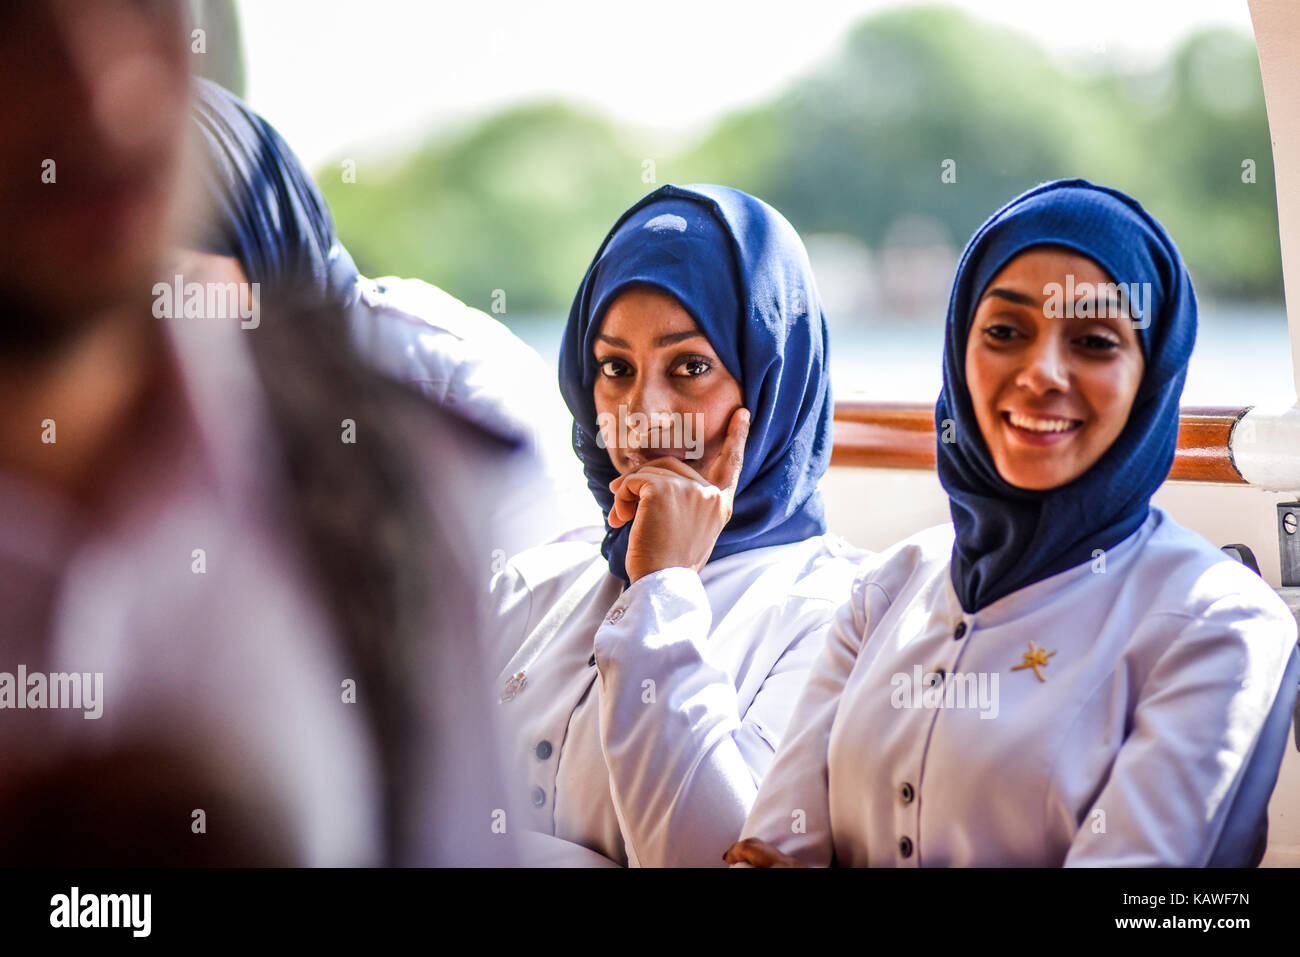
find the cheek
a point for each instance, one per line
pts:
(1110, 393)
(722, 404)
(607, 422)
(983, 373)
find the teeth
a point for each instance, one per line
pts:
(1040, 425)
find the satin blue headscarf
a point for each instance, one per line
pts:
(741, 271)
(1008, 537)
(260, 205)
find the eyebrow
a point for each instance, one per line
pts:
(1010, 295)
(667, 340)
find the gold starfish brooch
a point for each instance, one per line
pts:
(1035, 658)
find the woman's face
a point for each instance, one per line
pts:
(94, 118)
(1050, 393)
(660, 388)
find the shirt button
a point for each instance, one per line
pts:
(539, 798)
(906, 792)
(960, 632)
(543, 750)
(905, 846)
(614, 615)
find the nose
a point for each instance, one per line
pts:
(1045, 369)
(114, 76)
(653, 398)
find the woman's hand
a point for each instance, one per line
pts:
(758, 853)
(676, 512)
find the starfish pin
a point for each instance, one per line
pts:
(1035, 658)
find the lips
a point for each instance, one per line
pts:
(1040, 429)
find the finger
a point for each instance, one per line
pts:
(725, 469)
(749, 851)
(635, 482)
(647, 471)
(623, 510)
(665, 465)
(631, 490)
(736, 854)
(676, 466)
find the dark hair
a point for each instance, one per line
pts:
(364, 522)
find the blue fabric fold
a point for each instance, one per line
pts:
(1008, 537)
(742, 273)
(260, 206)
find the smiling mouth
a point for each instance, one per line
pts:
(1041, 427)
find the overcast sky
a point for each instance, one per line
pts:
(367, 76)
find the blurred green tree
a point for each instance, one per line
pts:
(521, 201)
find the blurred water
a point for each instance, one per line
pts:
(1242, 356)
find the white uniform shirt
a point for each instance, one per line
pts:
(1163, 667)
(647, 717)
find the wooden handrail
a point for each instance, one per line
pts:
(900, 435)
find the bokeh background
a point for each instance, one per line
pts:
(493, 147)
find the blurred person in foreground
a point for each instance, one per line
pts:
(232, 557)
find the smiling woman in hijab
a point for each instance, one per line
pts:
(1063, 675)
(647, 674)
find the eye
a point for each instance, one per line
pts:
(614, 368)
(1098, 343)
(999, 332)
(692, 366)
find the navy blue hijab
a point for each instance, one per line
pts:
(260, 206)
(1008, 537)
(742, 273)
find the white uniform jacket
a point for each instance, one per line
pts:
(925, 736)
(639, 723)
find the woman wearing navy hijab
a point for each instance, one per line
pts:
(648, 671)
(1063, 675)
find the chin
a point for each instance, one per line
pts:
(1035, 478)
